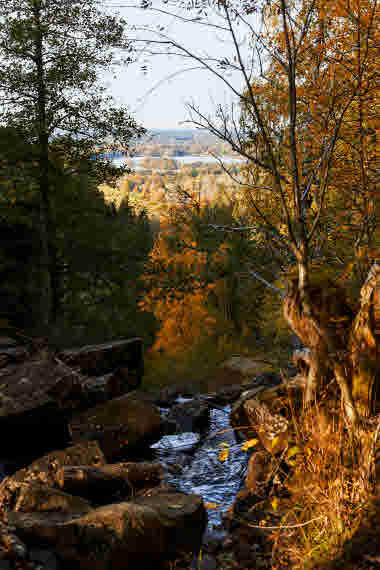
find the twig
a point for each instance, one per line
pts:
(263, 527)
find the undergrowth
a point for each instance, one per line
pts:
(330, 488)
(201, 362)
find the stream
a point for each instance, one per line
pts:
(191, 462)
(193, 465)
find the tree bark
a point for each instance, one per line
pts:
(345, 347)
(45, 206)
(364, 346)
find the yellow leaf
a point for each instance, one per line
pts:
(224, 444)
(293, 451)
(212, 505)
(275, 440)
(274, 503)
(249, 443)
(223, 455)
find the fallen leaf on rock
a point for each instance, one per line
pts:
(293, 451)
(249, 443)
(275, 440)
(212, 505)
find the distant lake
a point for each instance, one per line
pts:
(189, 159)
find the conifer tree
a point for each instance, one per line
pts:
(51, 54)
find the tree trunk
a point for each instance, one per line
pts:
(45, 208)
(341, 346)
(364, 346)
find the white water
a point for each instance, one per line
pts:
(201, 470)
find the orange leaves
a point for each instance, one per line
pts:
(212, 505)
(182, 309)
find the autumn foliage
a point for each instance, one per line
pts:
(183, 309)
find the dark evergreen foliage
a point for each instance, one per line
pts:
(98, 252)
(51, 54)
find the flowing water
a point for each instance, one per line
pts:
(197, 467)
(193, 464)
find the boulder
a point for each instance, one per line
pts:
(10, 544)
(39, 393)
(246, 367)
(183, 515)
(168, 395)
(225, 395)
(124, 379)
(100, 484)
(261, 467)
(190, 416)
(43, 471)
(143, 534)
(32, 497)
(35, 399)
(121, 422)
(99, 359)
(37, 383)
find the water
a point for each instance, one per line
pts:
(193, 465)
(199, 469)
(189, 159)
(181, 442)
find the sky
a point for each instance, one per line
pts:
(158, 98)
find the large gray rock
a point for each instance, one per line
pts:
(190, 416)
(247, 367)
(121, 422)
(102, 483)
(43, 471)
(34, 497)
(35, 396)
(143, 534)
(39, 393)
(98, 359)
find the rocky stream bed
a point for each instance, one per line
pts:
(98, 474)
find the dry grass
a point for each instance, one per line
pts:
(331, 486)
